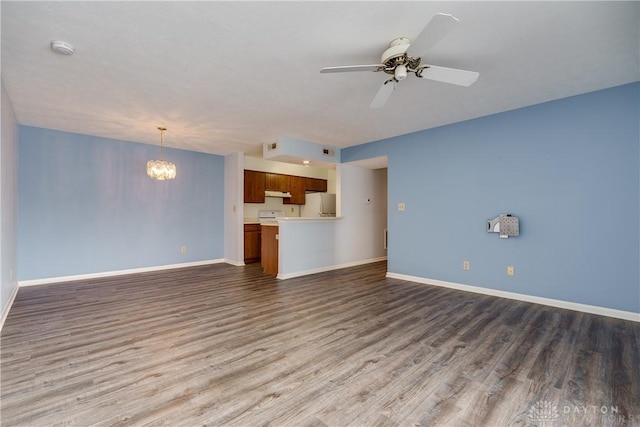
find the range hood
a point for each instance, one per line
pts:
(281, 194)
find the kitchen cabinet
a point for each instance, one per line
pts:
(277, 182)
(254, 186)
(269, 244)
(297, 190)
(252, 243)
(315, 184)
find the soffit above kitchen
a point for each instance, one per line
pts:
(231, 76)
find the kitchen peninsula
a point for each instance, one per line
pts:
(297, 246)
(289, 217)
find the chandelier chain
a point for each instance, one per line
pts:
(161, 129)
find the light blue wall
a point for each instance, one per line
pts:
(569, 169)
(86, 205)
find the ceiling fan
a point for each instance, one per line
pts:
(404, 56)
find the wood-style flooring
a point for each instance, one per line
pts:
(225, 345)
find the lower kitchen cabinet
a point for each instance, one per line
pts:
(269, 260)
(252, 243)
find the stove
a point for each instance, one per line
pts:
(269, 216)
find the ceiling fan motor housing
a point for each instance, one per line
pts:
(396, 49)
(396, 56)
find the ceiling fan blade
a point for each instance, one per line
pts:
(347, 68)
(383, 93)
(438, 27)
(448, 75)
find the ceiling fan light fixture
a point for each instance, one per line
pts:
(401, 72)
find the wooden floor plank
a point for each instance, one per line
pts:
(225, 345)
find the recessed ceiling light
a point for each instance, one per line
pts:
(305, 162)
(61, 47)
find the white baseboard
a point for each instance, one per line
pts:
(7, 306)
(592, 309)
(61, 279)
(329, 268)
(235, 263)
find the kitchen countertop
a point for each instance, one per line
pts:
(307, 218)
(290, 219)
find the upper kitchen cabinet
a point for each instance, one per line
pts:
(315, 184)
(277, 182)
(297, 190)
(254, 186)
(256, 183)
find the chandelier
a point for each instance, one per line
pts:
(161, 169)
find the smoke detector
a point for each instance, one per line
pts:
(61, 47)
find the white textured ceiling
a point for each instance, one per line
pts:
(228, 76)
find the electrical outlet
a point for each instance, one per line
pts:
(511, 270)
(401, 206)
(466, 265)
(183, 250)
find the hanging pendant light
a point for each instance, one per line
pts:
(161, 169)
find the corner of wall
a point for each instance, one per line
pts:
(8, 204)
(7, 306)
(233, 209)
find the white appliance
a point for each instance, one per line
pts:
(269, 216)
(280, 194)
(319, 204)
